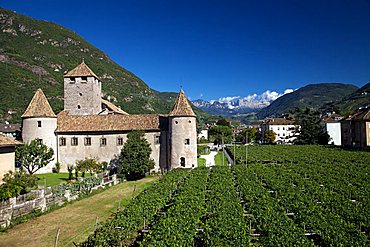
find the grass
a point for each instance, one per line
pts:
(201, 162)
(218, 159)
(53, 179)
(75, 220)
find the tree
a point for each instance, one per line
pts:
(269, 137)
(135, 158)
(16, 183)
(86, 165)
(34, 155)
(223, 122)
(221, 133)
(310, 131)
(250, 133)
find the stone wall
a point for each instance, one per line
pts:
(41, 199)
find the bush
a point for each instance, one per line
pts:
(16, 183)
(56, 169)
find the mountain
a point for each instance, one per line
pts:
(35, 54)
(312, 96)
(359, 98)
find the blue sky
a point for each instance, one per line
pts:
(222, 48)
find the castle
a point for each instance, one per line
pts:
(91, 127)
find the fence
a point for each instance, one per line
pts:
(44, 198)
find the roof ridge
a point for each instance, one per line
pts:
(81, 70)
(39, 106)
(182, 106)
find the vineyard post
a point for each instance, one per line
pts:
(56, 238)
(246, 149)
(223, 152)
(234, 151)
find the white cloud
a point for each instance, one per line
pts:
(228, 99)
(252, 100)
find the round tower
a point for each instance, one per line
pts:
(183, 134)
(39, 121)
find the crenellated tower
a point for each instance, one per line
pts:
(183, 134)
(82, 91)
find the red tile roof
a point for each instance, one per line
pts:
(39, 106)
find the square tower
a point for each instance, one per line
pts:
(82, 91)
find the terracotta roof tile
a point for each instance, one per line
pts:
(8, 141)
(81, 70)
(182, 106)
(113, 107)
(92, 123)
(279, 121)
(39, 106)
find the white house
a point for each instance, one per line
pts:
(332, 123)
(284, 129)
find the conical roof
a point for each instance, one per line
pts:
(81, 70)
(39, 106)
(182, 106)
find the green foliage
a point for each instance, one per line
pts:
(86, 165)
(245, 135)
(123, 228)
(56, 169)
(221, 133)
(202, 150)
(268, 137)
(34, 155)
(70, 169)
(223, 122)
(201, 162)
(311, 131)
(16, 183)
(220, 159)
(135, 158)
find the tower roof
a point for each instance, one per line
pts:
(81, 70)
(182, 106)
(39, 106)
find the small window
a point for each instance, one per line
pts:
(157, 140)
(39, 124)
(74, 141)
(84, 79)
(176, 122)
(103, 141)
(87, 141)
(119, 141)
(283, 128)
(189, 121)
(62, 141)
(78, 107)
(39, 141)
(278, 128)
(72, 80)
(80, 94)
(187, 141)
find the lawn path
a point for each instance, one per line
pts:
(76, 220)
(210, 158)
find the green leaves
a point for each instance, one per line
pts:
(33, 155)
(135, 158)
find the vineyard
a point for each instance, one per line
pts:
(285, 196)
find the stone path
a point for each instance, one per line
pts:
(210, 158)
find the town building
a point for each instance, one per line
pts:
(284, 129)
(355, 129)
(91, 127)
(333, 128)
(7, 155)
(11, 130)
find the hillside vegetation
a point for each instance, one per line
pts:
(35, 54)
(350, 103)
(312, 96)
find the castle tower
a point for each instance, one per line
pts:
(82, 91)
(183, 134)
(39, 121)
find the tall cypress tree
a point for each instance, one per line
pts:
(311, 131)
